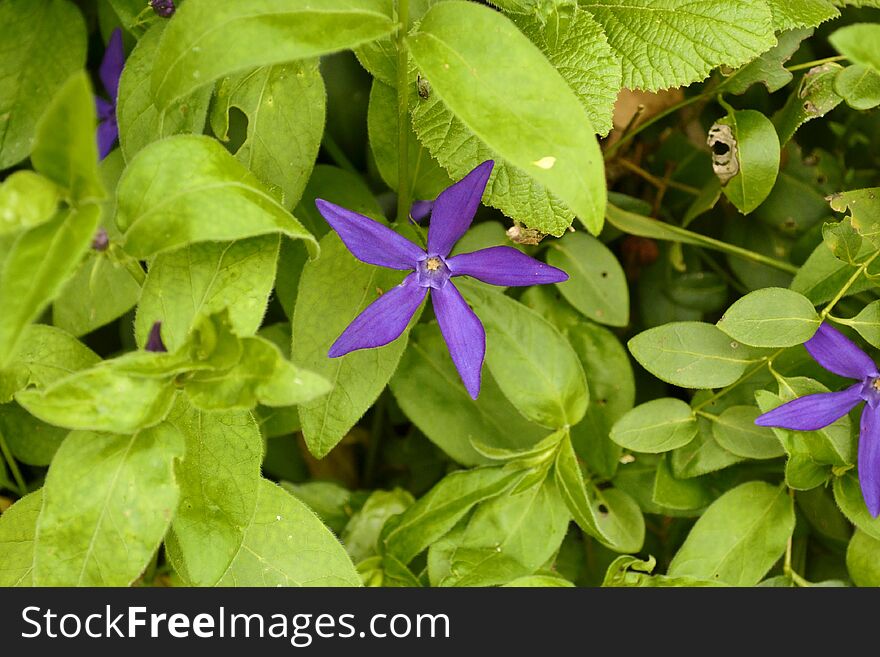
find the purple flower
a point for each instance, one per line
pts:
(110, 71)
(386, 318)
(101, 240)
(154, 340)
(164, 8)
(837, 354)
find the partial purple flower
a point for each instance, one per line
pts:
(154, 340)
(109, 72)
(837, 354)
(101, 240)
(420, 210)
(164, 8)
(386, 318)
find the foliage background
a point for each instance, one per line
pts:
(613, 441)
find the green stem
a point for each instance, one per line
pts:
(852, 280)
(336, 154)
(815, 62)
(403, 191)
(13, 466)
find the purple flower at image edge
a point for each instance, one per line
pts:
(154, 339)
(386, 318)
(109, 72)
(163, 8)
(838, 354)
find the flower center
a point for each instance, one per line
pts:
(432, 272)
(870, 391)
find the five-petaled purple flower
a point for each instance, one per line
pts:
(387, 317)
(837, 354)
(110, 72)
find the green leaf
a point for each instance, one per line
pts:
(671, 43)
(218, 200)
(202, 279)
(284, 106)
(426, 385)
(140, 121)
(657, 426)
(593, 73)
(703, 454)
(333, 290)
(18, 525)
(539, 581)
(261, 376)
(426, 178)
(864, 208)
(859, 86)
(633, 572)
(42, 42)
(858, 43)
(735, 431)
(822, 275)
(692, 355)
(739, 537)
(867, 323)
(30, 441)
(862, 559)
(597, 285)
(219, 478)
(848, 495)
(433, 515)
(45, 355)
(65, 150)
(814, 97)
(27, 199)
(530, 360)
(843, 240)
(101, 290)
(789, 14)
(748, 141)
(108, 502)
(332, 503)
(457, 47)
(36, 267)
(680, 494)
(361, 536)
(509, 536)
(772, 317)
(286, 545)
(205, 41)
(570, 481)
(769, 67)
(620, 520)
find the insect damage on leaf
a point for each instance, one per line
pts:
(725, 161)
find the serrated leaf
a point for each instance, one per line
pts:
(790, 14)
(593, 73)
(457, 47)
(739, 537)
(109, 500)
(218, 200)
(814, 97)
(285, 544)
(42, 42)
(768, 67)
(671, 43)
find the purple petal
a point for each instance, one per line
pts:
(111, 65)
(504, 265)
(108, 132)
(837, 353)
(455, 208)
(420, 210)
(869, 458)
(370, 241)
(105, 108)
(812, 411)
(463, 333)
(154, 340)
(383, 320)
